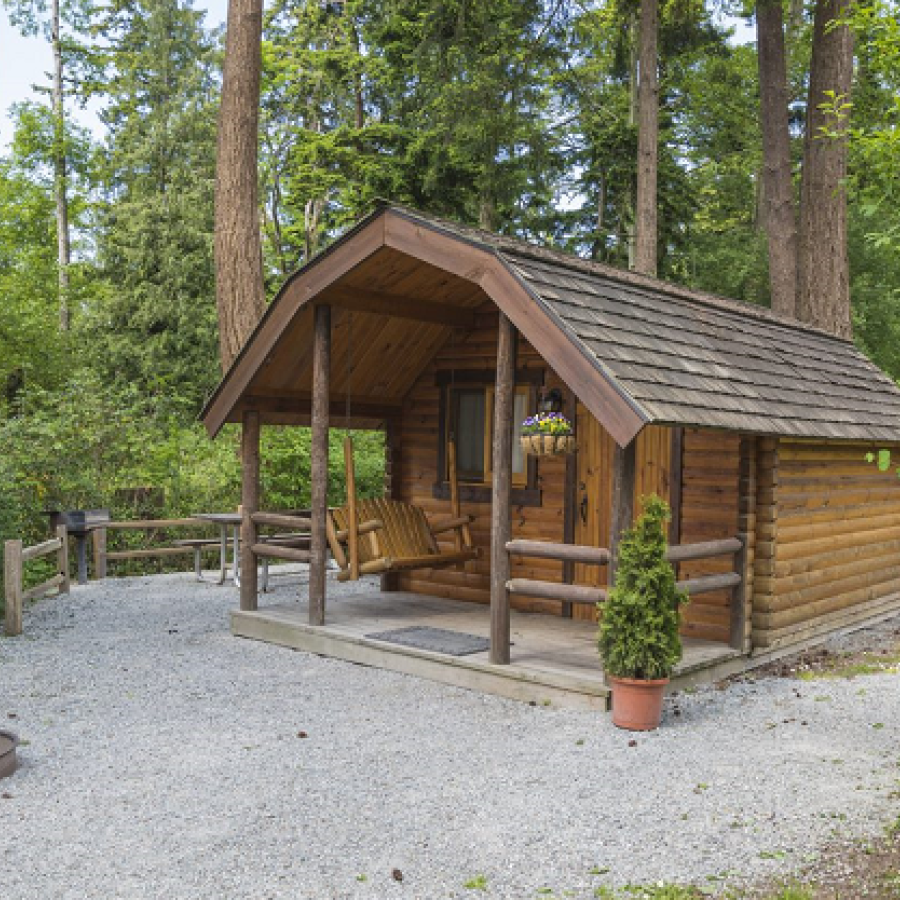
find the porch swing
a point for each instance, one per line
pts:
(380, 536)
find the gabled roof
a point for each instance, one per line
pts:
(638, 350)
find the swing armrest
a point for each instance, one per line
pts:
(364, 528)
(450, 524)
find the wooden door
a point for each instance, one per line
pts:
(593, 495)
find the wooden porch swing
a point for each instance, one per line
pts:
(372, 537)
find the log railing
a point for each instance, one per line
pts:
(15, 555)
(549, 590)
(599, 556)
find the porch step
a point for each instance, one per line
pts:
(282, 625)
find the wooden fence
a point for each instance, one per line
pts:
(103, 556)
(270, 546)
(600, 556)
(15, 555)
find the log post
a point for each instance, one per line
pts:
(765, 529)
(570, 503)
(249, 504)
(622, 513)
(12, 587)
(742, 598)
(352, 511)
(319, 464)
(98, 543)
(501, 513)
(62, 558)
(390, 581)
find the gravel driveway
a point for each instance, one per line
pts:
(163, 758)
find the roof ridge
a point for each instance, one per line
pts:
(503, 244)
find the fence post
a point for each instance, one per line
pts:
(98, 540)
(62, 557)
(739, 598)
(12, 578)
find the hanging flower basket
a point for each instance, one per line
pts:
(547, 434)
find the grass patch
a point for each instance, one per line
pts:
(854, 665)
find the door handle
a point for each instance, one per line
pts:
(583, 508)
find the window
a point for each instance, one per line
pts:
(471, 426)
(468, 429)
(467, 413)
(522, 404)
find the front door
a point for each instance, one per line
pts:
(594, 487)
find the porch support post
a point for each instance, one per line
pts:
(249, 505)
(390, 581)
(501, 513)
(622, 513)
(319, 464)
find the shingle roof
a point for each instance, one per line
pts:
(688, 358)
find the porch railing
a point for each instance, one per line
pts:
(600, 556)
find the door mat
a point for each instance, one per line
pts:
(437, 640)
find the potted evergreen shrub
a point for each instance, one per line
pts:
(639, 638)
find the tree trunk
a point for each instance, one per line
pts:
(823, 294)
(777, 193)
(645, 249)
(628, 201)
(60, 175)
(240, 294)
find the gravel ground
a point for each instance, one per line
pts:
(163, 758)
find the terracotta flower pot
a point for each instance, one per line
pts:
(637, 704)
(8, 744)
(547, 444)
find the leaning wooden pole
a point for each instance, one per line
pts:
(249, 505)
(622, 513)
(12, 581)
(319, 464)
(501, 513)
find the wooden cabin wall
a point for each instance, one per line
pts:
(418, 438)
(830, 538)
(711, 463)
(413, 464)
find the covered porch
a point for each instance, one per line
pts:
(553, 659)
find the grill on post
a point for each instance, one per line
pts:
(79, 523)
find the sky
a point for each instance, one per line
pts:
(25, 62)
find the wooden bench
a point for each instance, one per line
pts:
(393, 536)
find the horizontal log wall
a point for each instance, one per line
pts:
(711, 463)
(830, 538)
(412, 480)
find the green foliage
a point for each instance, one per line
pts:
(155, 324)
(638, 635)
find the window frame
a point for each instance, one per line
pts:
(525, 490)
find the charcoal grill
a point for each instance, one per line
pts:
(79, 523)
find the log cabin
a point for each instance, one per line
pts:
(755, 429)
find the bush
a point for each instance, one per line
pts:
(90, 445)
(638, 635)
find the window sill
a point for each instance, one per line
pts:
(481, 493)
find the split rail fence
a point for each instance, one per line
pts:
(600, 556)
(292, 546)
(15, 556)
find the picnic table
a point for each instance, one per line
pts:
(224, 520)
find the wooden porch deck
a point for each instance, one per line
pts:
(552, 659)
